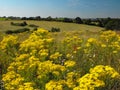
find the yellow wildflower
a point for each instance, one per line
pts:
(70, 63)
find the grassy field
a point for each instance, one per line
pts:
(5, 25)
(87, 30)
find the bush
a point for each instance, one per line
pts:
(32, 25)
(17, 31)
(35, 29)
(19, 24)
(55, 29)
(9, 32)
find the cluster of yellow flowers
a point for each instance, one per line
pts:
(70, 63)
(8, 42)
(110, 40)
(14, 79)
(69, 82)
(35, 63)
(26, 86)
(93, 80)
(101, 70)
(41, 63)
(72, 43)
(55, 56)
(54, 85)
(109, 36)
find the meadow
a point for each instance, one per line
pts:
(79, 57)
(6, 25)
(64, 27)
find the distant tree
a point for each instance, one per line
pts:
(67, 20)
(37, 18)
(49, 18)
(87, 21)
(113, 24)
(4, 17)
(99, 22)
(105, 21)
(13, 18)
(24, 18)
(60, 19)
(78, 20)
(56, 19)
(31, 18)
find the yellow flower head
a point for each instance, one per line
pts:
(70, 63)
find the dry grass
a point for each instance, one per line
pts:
(87, 30)
(5, 25)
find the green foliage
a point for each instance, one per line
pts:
(69, 20)
(3, 19)
(19, 24)
(17, 31)
(87, 21)
(33, 25)
(113, 25)
(78, 20)
(53, 29)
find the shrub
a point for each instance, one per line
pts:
(9, 32)
(55, 29)
(19, 24)
(17, 31)
(32, 25)
(35, 29)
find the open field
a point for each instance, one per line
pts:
(87, 30)
(5, 25)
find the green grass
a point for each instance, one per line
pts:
(2, 19)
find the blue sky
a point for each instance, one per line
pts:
(61, 8)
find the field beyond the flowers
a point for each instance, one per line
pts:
(74, 59)
(6, 25)
(64, 27)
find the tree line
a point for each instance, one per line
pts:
(107, 23)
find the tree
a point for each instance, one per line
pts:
(113, 24)
(99, 22)
(67, 20)
(49, 18)
(87, 21)
(105, 21)
(78, 20)
(24, 18)
(37, 18)
(31, 18)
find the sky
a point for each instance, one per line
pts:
(61, 8)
